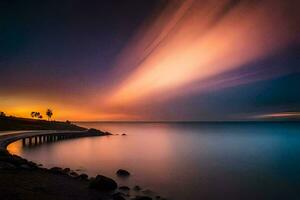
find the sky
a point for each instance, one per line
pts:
(152, 60)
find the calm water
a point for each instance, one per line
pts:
(187, 161)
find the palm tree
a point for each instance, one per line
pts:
(36, 115)
(33, 114)
(49, 113)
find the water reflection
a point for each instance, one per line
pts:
(187, 161)
(15, 148)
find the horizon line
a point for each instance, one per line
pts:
(185, 121)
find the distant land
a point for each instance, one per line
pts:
(194, 121)
(10, 123)
(16, 123)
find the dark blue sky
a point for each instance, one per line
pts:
(65, 38)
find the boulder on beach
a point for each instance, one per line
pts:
(66, 170)
(118, 196)
(148, 192)
(126, 188)
(32, 164)
(83, 177)
(3, 152)
(6, 166)
(5, 158)
(123, 172)
(142, 198)
(74, 174)
(17, 160)
(25, 166)
(137, 188)
(103, 183)
(56, 170)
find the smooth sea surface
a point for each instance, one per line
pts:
(186, 161)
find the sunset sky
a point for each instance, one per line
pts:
(151, 60)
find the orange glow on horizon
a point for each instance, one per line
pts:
(20, 107)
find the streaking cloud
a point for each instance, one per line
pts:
(191, 41)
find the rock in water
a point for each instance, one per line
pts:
(103, 183)
(123, 172)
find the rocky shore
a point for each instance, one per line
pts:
(23, 179)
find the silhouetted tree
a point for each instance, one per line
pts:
(2, 114)
(36, 115)
(49, 113)
(33, 114)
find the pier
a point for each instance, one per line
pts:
(44, 136)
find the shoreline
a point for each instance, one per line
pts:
(18, 173)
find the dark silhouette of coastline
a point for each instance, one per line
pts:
(16, 123)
